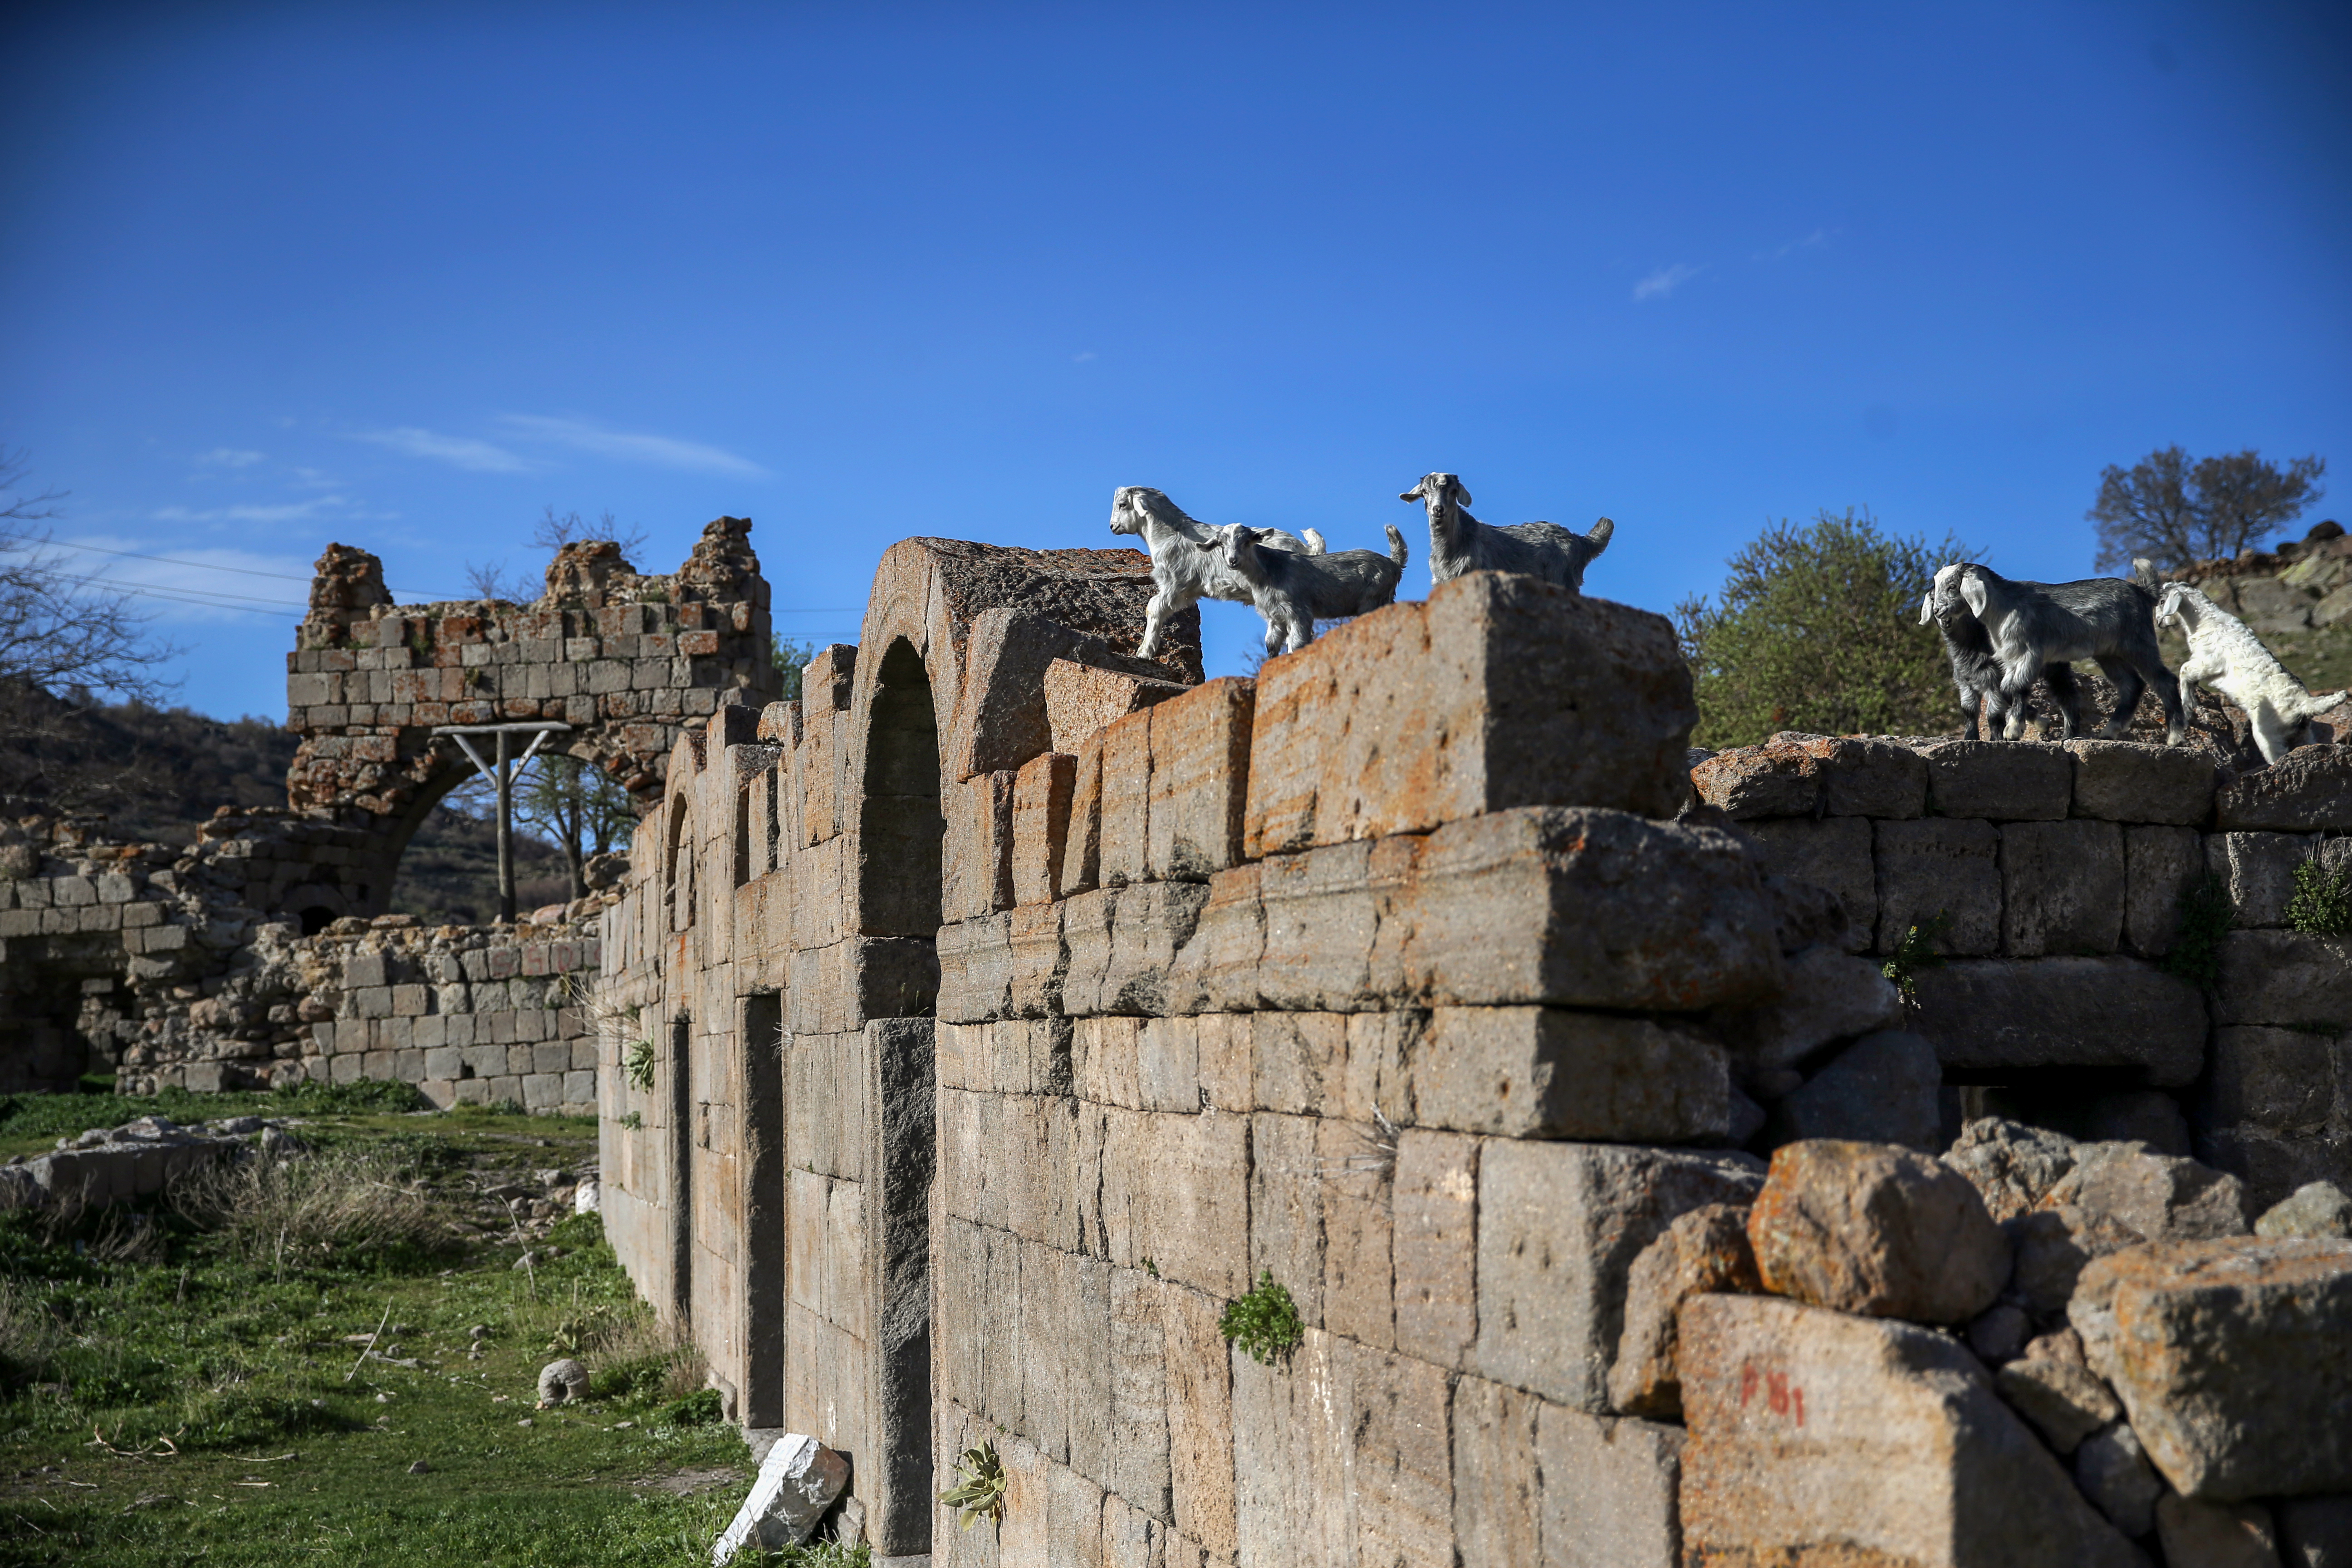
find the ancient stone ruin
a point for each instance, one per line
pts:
(1404, 1108)
(1004, 1024)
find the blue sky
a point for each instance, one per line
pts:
(400, 277)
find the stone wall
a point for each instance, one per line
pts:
(1016, 1007)
(2053, 879)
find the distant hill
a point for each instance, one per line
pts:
(156, 772)
(2297, 598)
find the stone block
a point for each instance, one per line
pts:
(1796, 775)
(1137, 1458)
(1200, 1419)
(1200, 775)
(1818, 1437)
(1342, 1456)
(1040, 826)
(2285, 978)
(1126, 801)
(1831, 996)
(2307, 789)
(1502, 692)
(2005, 781)
(1883, 1088)
(2278, 1080)
(1559, 1227)
(1832, 853)
(2258, 870)
(1082, 850)
(1175, 1189)
(2062, 888)
(1610, 1484)
(1939, 869)
(2062, 1012)
(1548, 1072)
(1436, 1247)
(2234, 1357)
(1081, 700)
(2123, 782)
(1704, 1250)
(1877, 1230)
(2160, 863)
(1497, 1483)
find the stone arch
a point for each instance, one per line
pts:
(901, 832)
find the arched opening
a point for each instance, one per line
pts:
(315, 917)
(900, 829)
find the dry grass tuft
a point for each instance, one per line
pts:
(341, 1201)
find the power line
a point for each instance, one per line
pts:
(174, 560)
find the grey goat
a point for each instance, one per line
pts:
(1977, 673)
(1459, 542)
(2036, 624)
(1294, 592)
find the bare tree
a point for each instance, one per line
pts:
(489, 580)
(578, 805)
(2172, 511)
(64, 638)
(554, 531)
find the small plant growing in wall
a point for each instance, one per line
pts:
(2322, 903)
(1265, 1323)
(979, 1491)
(633, 1121)
(1915, 952)
(637, 1063)
(2206, 917)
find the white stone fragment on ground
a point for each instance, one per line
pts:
(561, 1382)
(2318, 1209)
(797, 1482)
(585, 1199)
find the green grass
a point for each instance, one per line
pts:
(167, 1396)
(31, 1124)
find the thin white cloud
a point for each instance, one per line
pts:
(291, 511)
(230, 458)
(1082, 358)
(1665, 280)
(191, 583)
(461, 451)
(663, 451)
(1819, 236)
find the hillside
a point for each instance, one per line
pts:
(2297, 598)
(156, 772)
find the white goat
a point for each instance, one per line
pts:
(1188, 556)
(1459, 542)
(2224, 653)
(1293, 592)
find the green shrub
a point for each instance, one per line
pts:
(1265, 1323)
(637, 1063)
(2322, 903)
(979, 1491)
(703, 1407)
(1915, 952)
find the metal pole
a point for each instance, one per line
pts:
(505, 835)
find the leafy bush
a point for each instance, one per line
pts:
(703, 1407)
(2322, 903)
(1265, 1323)
(979, 1491)
(1915, 952)
(1816, 629)
(637, 1063)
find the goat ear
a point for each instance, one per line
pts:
(1972, 589)
(1926, 608)
(1461, 493)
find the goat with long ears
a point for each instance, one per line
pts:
(1459, 542)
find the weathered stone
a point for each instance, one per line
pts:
(1703, 1250)
(2309, 788)
(1869, 1228)
(2062, 1012)
(1608, 1487)
(1941, 874)
(1199, 768)
(2257, 871)
(1081, 699)
(2006, 781)
(1998, 1332)
(2123, 782)
(1795, 775)
(1820, 1437)
(2052, 1386)
(2318, 1210)
(1548, 1072)
(797, 1482)
(1805, 916)
(2214, 1534)
(2285, 978)
(2160, 863)
(1559, 1225)
(1829, 853)
(2234, 1359)
(2011, 1165)
(2052, 1246)
(1831, 996)
(1882, 1088)
(561, 1382)
(2157, 1197)
(1040, 826)
(1502, 692)
(1436, 1247)
(2062, 888)
(2113, 1470)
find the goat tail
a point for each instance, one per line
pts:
(1397, 551)
(2144, 573)
(1314, 537)
(1599, 533)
